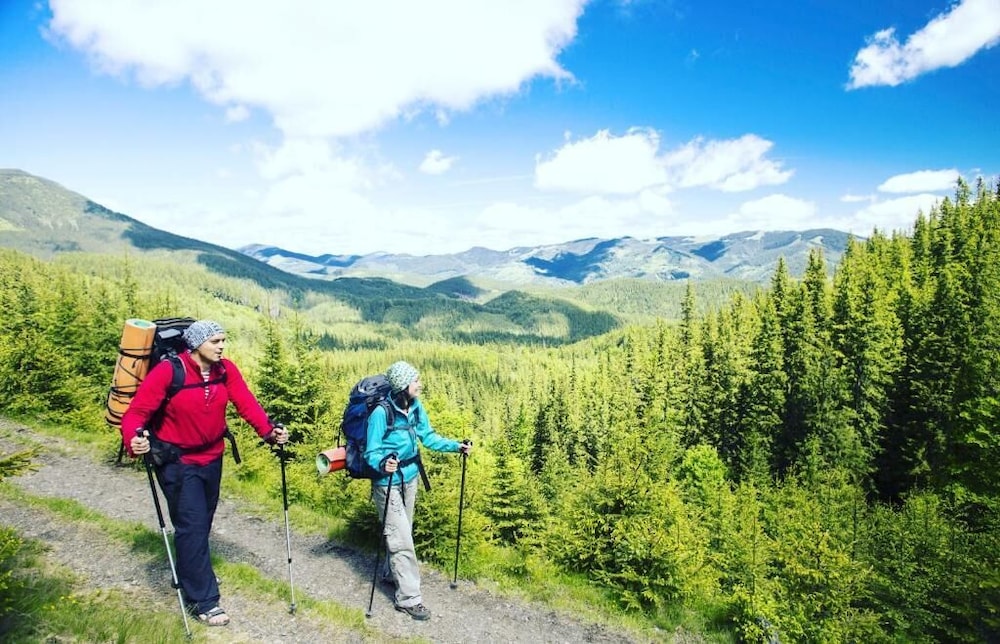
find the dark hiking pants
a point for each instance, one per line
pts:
(192, 493)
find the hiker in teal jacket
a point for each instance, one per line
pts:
(394, 451)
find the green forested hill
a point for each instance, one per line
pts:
(41, 218)
(815, 461)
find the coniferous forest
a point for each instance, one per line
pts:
(817, 460)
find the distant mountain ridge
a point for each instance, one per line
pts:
(748, 255)
(39, 216)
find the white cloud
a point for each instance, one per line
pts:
(436, 163)
(506, 224)
(645, 215)
(301, 63)
(604, 164)
(733, 165)
(893, 214)
(921, 181)
(948, 40)
(774, 212)
(237, 113)
(294, 201)
(625, 165)
(849, 198)
(655, 203)
(624, 182)
(330, 75)
(311, 157)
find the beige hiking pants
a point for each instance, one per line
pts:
(401, 558)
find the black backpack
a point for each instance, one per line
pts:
(168, 344)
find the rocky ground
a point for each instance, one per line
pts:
(321, 570)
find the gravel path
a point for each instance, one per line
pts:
(322, 570)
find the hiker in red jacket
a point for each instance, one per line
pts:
(188, 445)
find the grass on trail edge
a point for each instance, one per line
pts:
(44, 603)
(49, 607)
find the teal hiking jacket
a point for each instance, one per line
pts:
(402, 440)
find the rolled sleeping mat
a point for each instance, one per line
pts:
(331, 460)
(133, 363)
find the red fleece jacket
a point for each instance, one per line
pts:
(191, 418)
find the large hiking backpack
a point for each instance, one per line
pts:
(135, 362)
(144, 345)
(367, 394)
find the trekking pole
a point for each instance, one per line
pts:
(461, 503)
(148, 460)
(288, 532)
(378, 551)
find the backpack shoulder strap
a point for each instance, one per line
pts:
(390, 416)
(177, 379)
(176, 384)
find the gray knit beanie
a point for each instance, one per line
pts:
(400, 375)
(197, 333)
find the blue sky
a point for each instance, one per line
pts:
(436, 126)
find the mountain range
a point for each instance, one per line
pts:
(41, 217)
(749, 255)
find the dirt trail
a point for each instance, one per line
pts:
(322, 570)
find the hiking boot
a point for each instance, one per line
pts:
(416, 612)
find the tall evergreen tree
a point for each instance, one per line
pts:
(868, 341)
(275, 380)
(691, 375)
(762, 399)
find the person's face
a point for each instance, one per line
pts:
(212, 348)
(415, 388)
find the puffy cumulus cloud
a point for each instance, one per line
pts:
(301, 63)
(604, 164)
(436, 163)
(733, 165)
(921, 181)
(774, 212)
(948, 40)
(893, 214)
(625, 165)
(849, 198)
